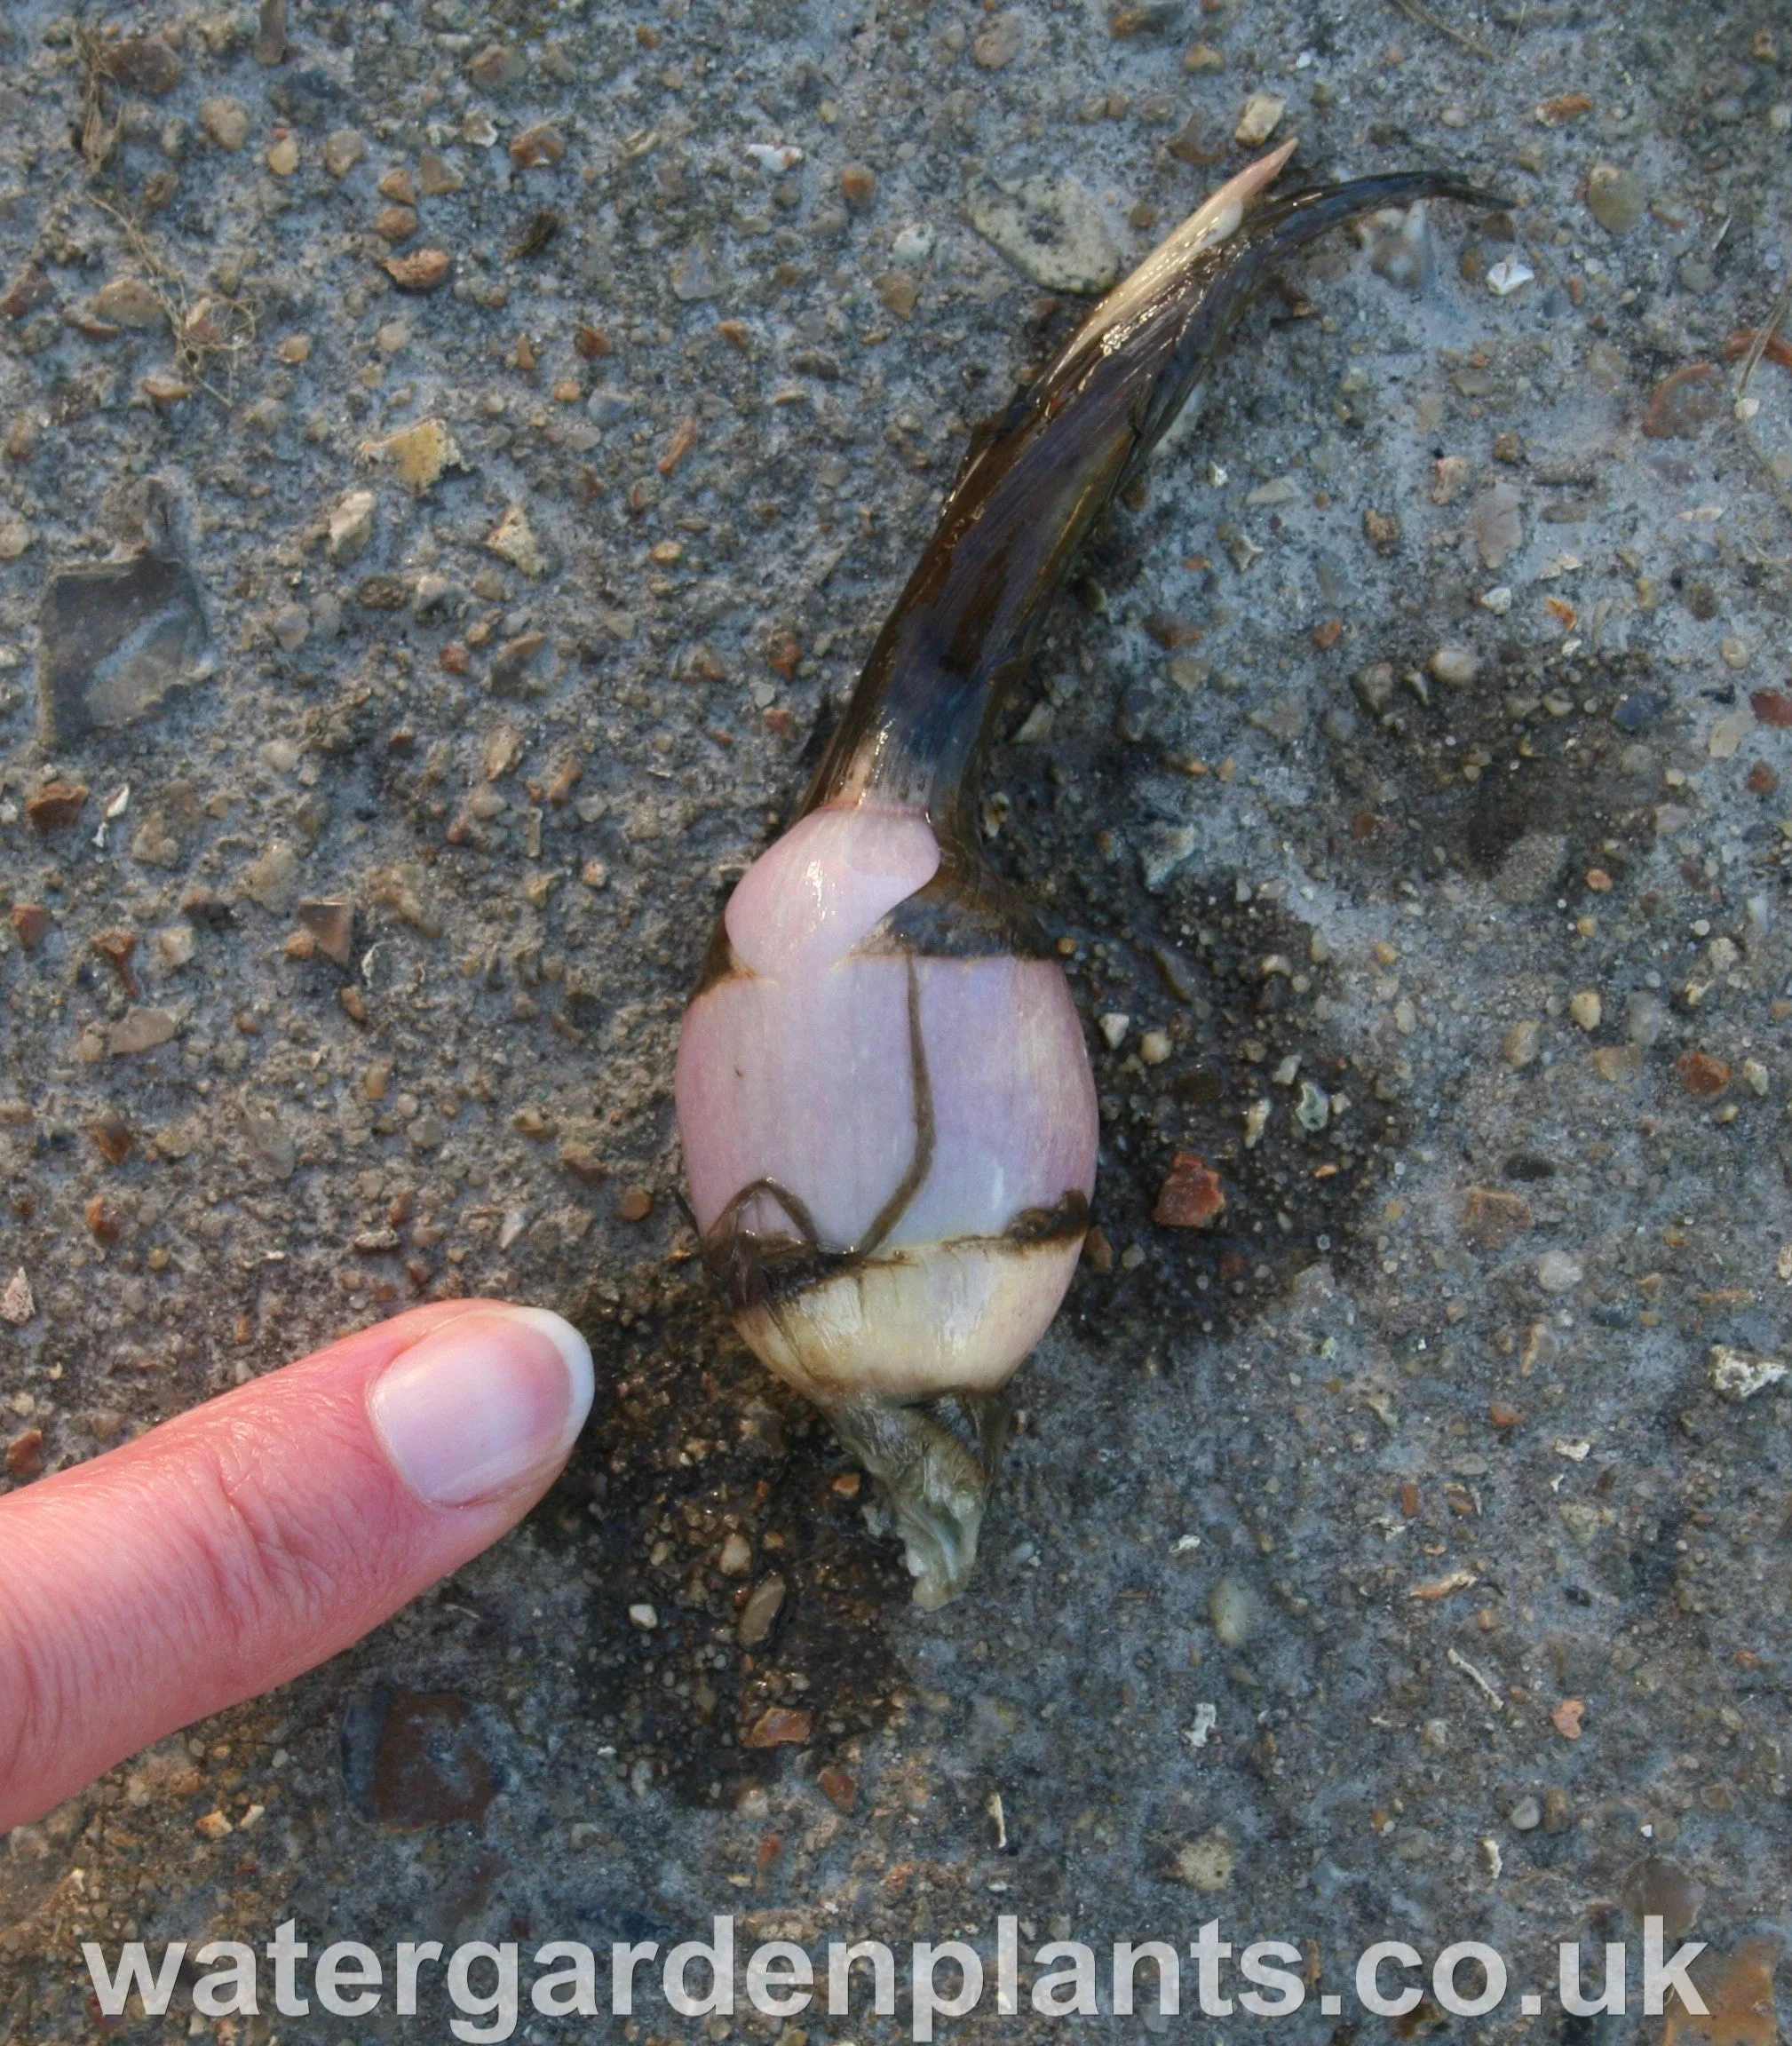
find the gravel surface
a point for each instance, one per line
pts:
(455, 458)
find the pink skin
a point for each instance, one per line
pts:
(801, 1072)
(809, 898)
(228, 1550)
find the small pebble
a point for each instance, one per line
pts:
(761, 1609)
(1567, 1717)
(1052, 229)
(130, 302)
(898, 292)
(426, 270)
(912, 246)
(226, 121)
(1703, 1076)
(1497, 521)
(25, 1453)
(1526, 1815)
(779, 1727)
(1737, 1376)
(495, 68)
(998, 44)
(351, 525)
(543, 144)
(1312, 1107)
(436, 176)
(1449, 473)
(1658, 1889)
(1615, 198)
(113, 1135)
(1400, 246)
(1205, 1864)
(1558, 1272)
(1262, 111)
(1492, 1217)
(1521, 1042)
(17, 1305)
(342, 149)
(1233, 1610)
(512, 539)
(1192, 1196)
(1586, 1009)
(1726, 738)
(270, 33)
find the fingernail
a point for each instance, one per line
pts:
(493, 1397)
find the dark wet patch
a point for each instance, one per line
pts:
(1218, 975)
(700, 1441)
(1462, 780)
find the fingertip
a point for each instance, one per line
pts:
(576, 1354)
(487, 1405)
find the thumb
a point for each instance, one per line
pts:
(228, 1550)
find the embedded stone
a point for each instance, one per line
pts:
(331, 923)
(141, 1030)
(141, 64)
(1051, 230)
(1615, 198)
(1492, 1217)
(130, 302)
(512, 539)
(56, 805)
(226, 121)
(116, 638)
(418, 455)
(427, 270)
(342, 149)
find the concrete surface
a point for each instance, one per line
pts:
(1413, 1451)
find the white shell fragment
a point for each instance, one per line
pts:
(1507, 275)
(775, 157)
(913, 246)
(1735, 1376)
